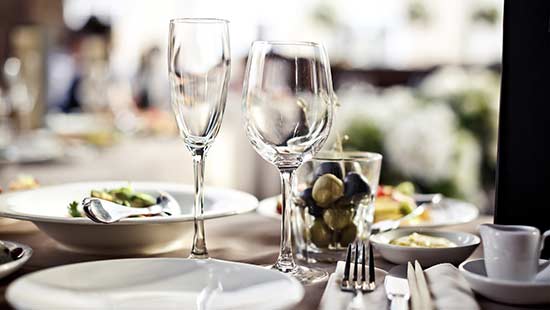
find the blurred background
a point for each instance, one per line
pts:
(84, 92)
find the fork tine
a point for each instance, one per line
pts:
(348, 262)
(371, 264)
(363, 272)
(356, 258)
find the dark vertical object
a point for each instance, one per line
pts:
(523, 173)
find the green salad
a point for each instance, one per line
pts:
(124, 196)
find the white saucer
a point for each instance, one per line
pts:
(10, 267)
(510, 292)
(155, 283)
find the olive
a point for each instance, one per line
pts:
(315, 210)
(352, 166)
(348, 235)
(320, 234)
(307, 196)
(337, 219)
(327, 189)
(355, 186)
(333, 168)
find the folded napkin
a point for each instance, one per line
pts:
(449, 290)
(334, 299)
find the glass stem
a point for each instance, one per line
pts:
(285, 262)
(199, 240)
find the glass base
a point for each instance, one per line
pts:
(198, 256)
(306, 275)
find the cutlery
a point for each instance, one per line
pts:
(416, 301)
(355, 285)
(387, 225)
(422, 200)
(397, 288)
(17, 253)
(107, 212)
(423, 288)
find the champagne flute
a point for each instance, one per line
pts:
(288, 105)
(199, 66)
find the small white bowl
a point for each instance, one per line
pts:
(510, 292)
(466, 244)
(46, 207)
(10, 267)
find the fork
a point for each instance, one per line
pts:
(355, 285)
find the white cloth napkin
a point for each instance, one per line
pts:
(449, 290)
(334, 299)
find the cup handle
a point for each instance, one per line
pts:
(544, 236)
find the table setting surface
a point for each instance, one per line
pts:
(249, 238)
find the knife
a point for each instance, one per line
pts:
(397, 288)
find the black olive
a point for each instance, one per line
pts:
(307, 197)
(355, 186)
(315, 210)
(329, 167)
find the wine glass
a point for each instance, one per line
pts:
(288, 105)
(199, 68)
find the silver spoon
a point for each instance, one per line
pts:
(107, 212)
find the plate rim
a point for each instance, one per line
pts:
(264, 203)
(249, 205)
(507, 283)
(300, 293)
(476, 240)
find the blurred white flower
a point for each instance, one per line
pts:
(422, 144)
(380, 109)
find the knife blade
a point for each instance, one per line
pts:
(397, 288)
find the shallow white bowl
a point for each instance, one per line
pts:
(155, 283)
(511, 292)
(47, 208)
(466, 244)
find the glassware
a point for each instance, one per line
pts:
(334, 203)
(199, 69)
(288, 105)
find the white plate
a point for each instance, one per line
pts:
(466, 244)
(10, 267)
(36, 147)
(46, 207)
(457, 212)
(511, 292)
(155, 283)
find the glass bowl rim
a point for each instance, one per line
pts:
(348, 156)
(198, 20)
(287, 42)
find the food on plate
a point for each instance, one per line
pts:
(124, 196)
(23, 182)
(73, 209)
(423, 241)
(394, 202)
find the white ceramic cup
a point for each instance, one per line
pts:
(512, 252)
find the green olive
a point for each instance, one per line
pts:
(327, 189)
(320, 234)
(348, 235)
(337, 219)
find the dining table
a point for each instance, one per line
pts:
(249, 238)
